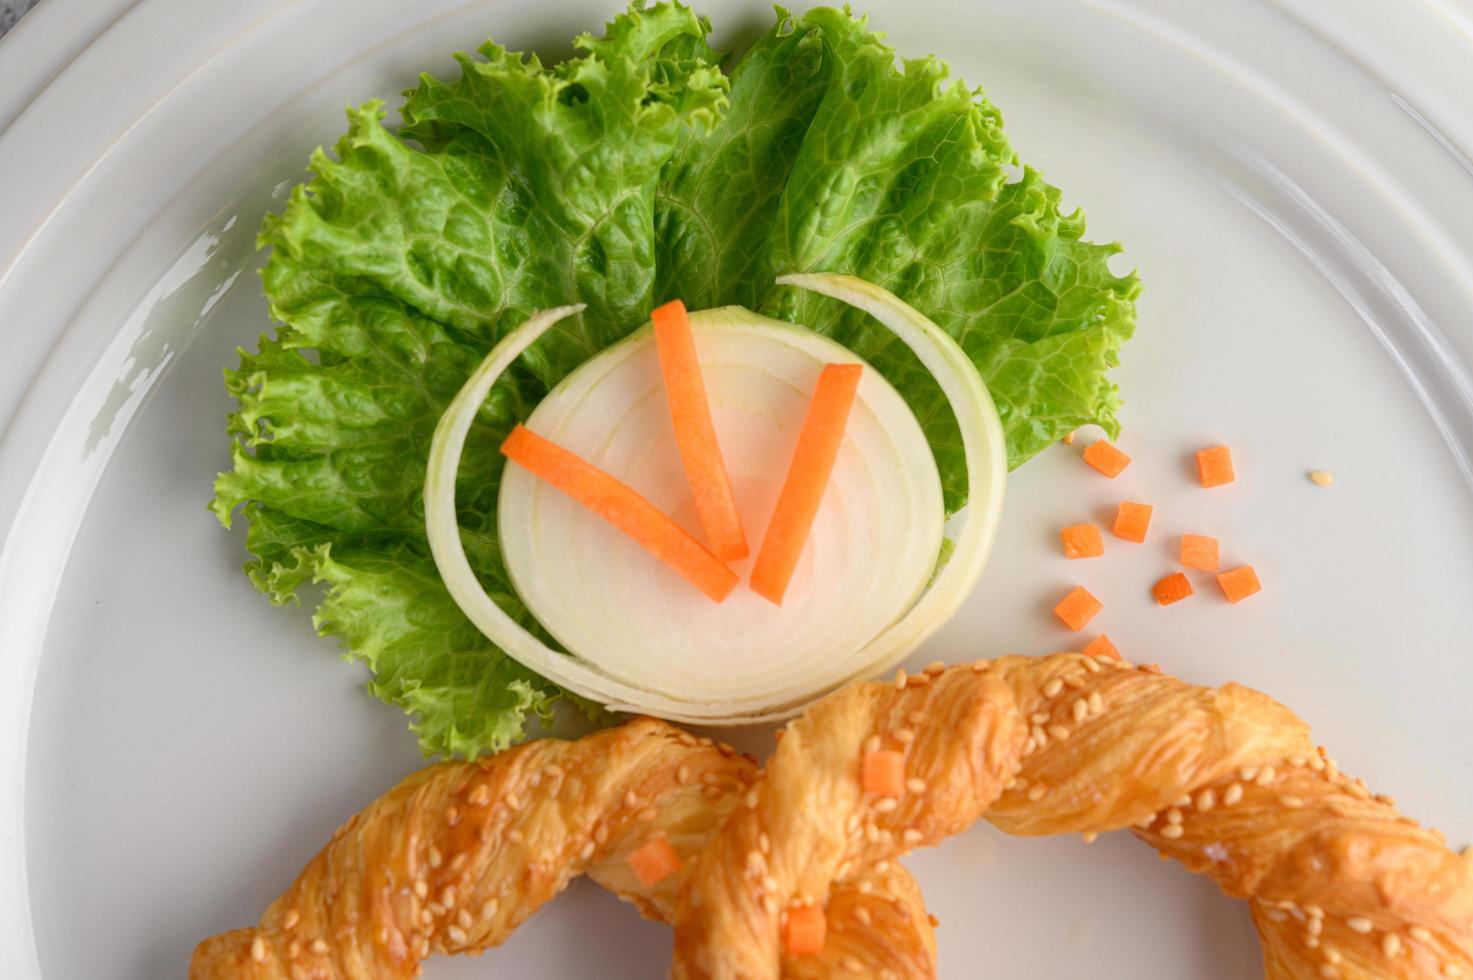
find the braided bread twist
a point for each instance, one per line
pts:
(1226, 781)
(458, 855)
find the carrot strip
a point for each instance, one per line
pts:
(653, 861)
(804, 933)
(1131, 521)
(622, 507)
(695, 434)
(883, 773)
(808, 477)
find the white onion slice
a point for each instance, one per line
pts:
(643, 639)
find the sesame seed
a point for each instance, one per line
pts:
(1274, 915)
(1040, 736)
(1173, 815)
(1292, 802)
(769, 905)
(915, 784)
(682, 775)
(919, 680)
(1206, 800)
(631, 799)
(320, 947)
(258, 950)
(872, 744)
(900, 679)
(905, 736)
(436, 859)
(1146, 821)
(421, 889)
(456, 934)
(912, 836)
(294, 949)
(1297, 761)
(1080, 710)
(751, 799)
(935, 667)
(1096, 703)
(862, 914)
(1313, 926)
(464, 919)
(1333, 955)
(1248, 773)
(882, 867)
(1183, 801)
(586, 851)
(1232, 794)
(885, 804)
(1321, 478)
(1316, 763)
(452, 815)
(769, 884)
(479, 796)
(1030, 746)
(1326, 970)
(1171, 831)
(290, 920)
(447, 897)
(1058, 732)
(1313, 942)
(764, 843)
(853, 965)
(1073, 681)
(1092, 665)
(864, 886)
(1360, 924)
(852, 824)
(1314, 911)
(1036, 793)
(1391, 945)
(1053, 687)
(1267, 776)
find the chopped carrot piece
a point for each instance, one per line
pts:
(805, 930)
(1131, 521)
(1101, 646)
(1082, 541)
(1172, 588)
(653, 861)
(1215, 466)
(695, 434)
(1106, 458)
(883, 773)
(1239, 583)
(1077, 608)
(808, 478)
(622, 507)
(1199, 551)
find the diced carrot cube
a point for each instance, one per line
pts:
(1172, 588)
(653, 861)
(1077, 608)
(1082, 541)
(805, 930)
(1131, 521)
(1215, 466)
(1101, 646)
(883, 773)
(1239, 583)
(1105, 458)
(1199, 551)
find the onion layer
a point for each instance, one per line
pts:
(640, 638)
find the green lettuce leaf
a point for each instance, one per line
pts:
(633, 172)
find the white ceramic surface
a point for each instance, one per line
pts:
(1293, 179)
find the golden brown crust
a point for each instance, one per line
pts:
(1226, 781)
(458, 855)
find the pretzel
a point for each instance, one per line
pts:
(1225, 781)
(456, 856)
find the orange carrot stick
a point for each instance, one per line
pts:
(695, 435)
(805, 930)
(883, 773)
(808, 477)
(622, 507)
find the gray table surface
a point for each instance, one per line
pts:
(11, 11)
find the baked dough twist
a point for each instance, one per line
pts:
(458, 855)
(1226, 781)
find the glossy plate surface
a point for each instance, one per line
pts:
(1293, 180)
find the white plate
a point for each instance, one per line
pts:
(1292, 179)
